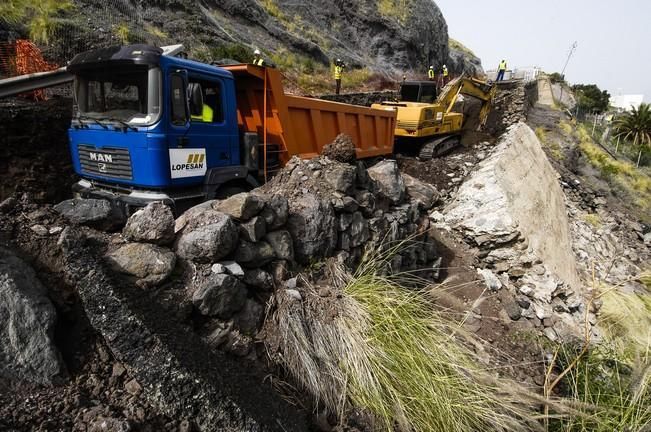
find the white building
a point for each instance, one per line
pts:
(626, 102)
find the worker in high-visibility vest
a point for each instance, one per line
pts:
(501, 69)
(339, 71)
(257, 58)
(431, 74)
(206, 114)
(445, 74)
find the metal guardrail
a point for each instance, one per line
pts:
(30, 82)
(26, 83)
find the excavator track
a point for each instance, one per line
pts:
(438, 147)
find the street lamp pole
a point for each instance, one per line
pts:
(569, 56)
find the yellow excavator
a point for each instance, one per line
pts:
(428, 120)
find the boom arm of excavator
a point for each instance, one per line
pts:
(470, 87)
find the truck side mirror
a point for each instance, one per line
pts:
(196, 99)
(179, 100)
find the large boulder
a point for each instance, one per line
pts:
(313, 226)
(424, 194)
(96, 213)
(341, 177)
(242, 206)
(151, 264)
(219, 295)
(152, 224)
(387, 176)
(275, 211)
(193, 214)
(27, 321)
(208, 237)
(254, 229)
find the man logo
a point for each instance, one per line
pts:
(101, 167)
(195, 158)
(100, 157)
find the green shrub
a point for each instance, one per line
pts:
(40, 17)
(272, 9)
(609, 394)
(123, 33)
(235, 51)
(396, 9)
(623, 175)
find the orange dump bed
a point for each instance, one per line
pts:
(300, 126)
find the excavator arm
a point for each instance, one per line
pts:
(469, 87)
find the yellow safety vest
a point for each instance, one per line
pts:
(431, 74)
(445, 71)
(206, 115)
(502, 65)
(258, 61)
(338, 71)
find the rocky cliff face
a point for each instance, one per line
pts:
(384, 35)
(462, 61)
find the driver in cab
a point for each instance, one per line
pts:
(200, 110)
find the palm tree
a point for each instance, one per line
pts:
(635, 126)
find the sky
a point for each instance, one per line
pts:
(613, 38)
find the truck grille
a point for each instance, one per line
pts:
(105, 161)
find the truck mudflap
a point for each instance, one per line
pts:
(127, 203)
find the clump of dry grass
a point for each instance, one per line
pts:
(382, 347)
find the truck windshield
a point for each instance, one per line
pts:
(128, 94)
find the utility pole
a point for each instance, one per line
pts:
(569, 56)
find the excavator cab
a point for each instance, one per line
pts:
(418, 91)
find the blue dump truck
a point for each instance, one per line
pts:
(153, 127)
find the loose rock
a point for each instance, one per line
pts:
(151, 264)
(152, 224)
(312, 224)
(219, 295)
(242, 206)
(254, 229)
(342, 149)
(389, 180)
(27, 321)
(96, 213)
(424, 194)
(208, 238)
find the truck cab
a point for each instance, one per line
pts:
(152, 127)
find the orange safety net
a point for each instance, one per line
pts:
(22, 57)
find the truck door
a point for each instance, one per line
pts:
(204, 141)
